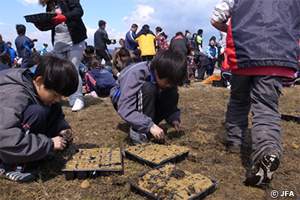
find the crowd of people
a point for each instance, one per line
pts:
(141, 78)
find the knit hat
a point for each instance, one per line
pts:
(101, 22)
(137, 52)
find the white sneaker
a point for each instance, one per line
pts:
(72, 99)
(78, 105)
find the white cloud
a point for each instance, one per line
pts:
(26, 2)
(142, 15)
(2, 23)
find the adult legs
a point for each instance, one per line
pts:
(103, 54)
(74, 55)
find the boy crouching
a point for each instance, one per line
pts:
(146, 93)
(32, 122)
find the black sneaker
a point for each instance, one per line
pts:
(233, 148)
(18, 176)
(263, 169)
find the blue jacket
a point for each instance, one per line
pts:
(212, 51)
(130, 43)
(24, 45)
(4, 48)
(100, 81)
(124, 94)
(13, 54)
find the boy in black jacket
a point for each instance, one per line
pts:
(34, 122)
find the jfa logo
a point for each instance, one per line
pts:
(285, 193)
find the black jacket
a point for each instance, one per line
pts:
(73, 12)
(181, 42)
(101, 39)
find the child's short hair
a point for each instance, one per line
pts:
(34, 59)
(170, 64)
(5, 59)
(58, 74)
(89, 49)
(21, 29)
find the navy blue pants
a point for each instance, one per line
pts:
(37, 119)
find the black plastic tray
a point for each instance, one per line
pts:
(291, 116)
(217, 83)
(39, 17)
(43, 21)
(175, 159)
(140, 191)
(82, 174)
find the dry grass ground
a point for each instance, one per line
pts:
(203, 114)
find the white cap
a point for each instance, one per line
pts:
(103, 62)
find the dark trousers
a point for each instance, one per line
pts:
(25, 61)
(201, 71)
(147, 58)
(38, 120)
(157, 103)
(103, 54)
(261, 95)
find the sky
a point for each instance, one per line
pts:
(171, 15)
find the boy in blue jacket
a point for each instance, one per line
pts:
(146, 93)
(34, 123)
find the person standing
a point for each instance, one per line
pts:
(161, 40)
(181, 42)
(198, 41)
(44, 49)
(146, 40)
(68, 38)
(258, 61)
(100, 43)
(129, 38)
(13, 53)
(4, 46)
(212, 54)
(23, 44)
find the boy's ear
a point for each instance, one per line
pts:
(39, 80)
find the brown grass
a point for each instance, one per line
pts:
(203, 114)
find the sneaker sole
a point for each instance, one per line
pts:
(264, 175)
(18, 176)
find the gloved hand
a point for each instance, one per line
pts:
(59, 19)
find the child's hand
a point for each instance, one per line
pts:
(177, 126)
(157, 132)
(59, 143)
(67, 135)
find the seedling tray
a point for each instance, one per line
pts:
(291, 116)
(156, 154)
(41, 20)
(91, 163)
(161, 183)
